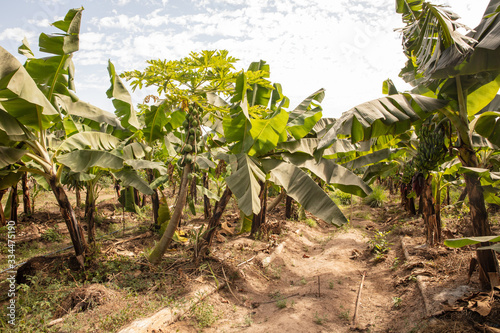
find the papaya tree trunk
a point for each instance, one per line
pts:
(479, 216)
(166, 238)
(206, 200)
(26, 195)
(68, 214)
(3, 221)
(260, 219)
(14, 203)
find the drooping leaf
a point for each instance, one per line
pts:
(145, 164)
(388, 115)
(130, 177)
(206, 192)
(9, 155)
(12, 129)
(82, 160)
(461, 242)
(20, 96)
(488, 125)
(89, 140)
(331, 173)
(244, 183)
(96, 117)
(304, 190)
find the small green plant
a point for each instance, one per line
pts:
(341, 198)
(51, 235)
(204, 315)
(396, 302)
(303, 281)
(376, 198)
(311, 223)
(395, 264)
(319, 320)
(380, 244)
(248, 321)
(345, 314)
(281, 303)
(331, 285)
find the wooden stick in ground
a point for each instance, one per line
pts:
(358, 299)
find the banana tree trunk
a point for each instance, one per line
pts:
(26, 195)
(78, 196)
(90, 214)
(67, 212)
(277, 200)
(479, 216)
(155, 199)
(14, 203)
(407, 203)
(432, 227)
(214, 222)
(288, 207)
(206, 200)
(166, 239)
(3, 221)
(260, 219)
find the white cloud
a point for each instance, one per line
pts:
(16, 34)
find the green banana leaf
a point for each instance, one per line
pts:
(487, 124)
(305, 116)
(206, 192)
(331, 173)
(122, 100)
(82, 160)
(9, 155)
(63, 43)
(20, 96)
(304, 190)
(256, 136)
(387, 115)
(145, 164)
(11, 129)
(89, 140)
(461, 242)
(130, 177)
(244, 183)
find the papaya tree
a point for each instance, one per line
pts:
(191, 86)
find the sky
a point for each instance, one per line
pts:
(347, 47)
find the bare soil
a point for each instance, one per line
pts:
(303, 278)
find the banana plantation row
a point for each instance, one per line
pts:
(209, 123)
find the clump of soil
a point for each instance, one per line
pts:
(85, 298)
(43, 264)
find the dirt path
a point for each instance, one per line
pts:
(310, 285)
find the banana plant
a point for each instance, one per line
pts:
(29, 111)
(454, 75)
(267, 144)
